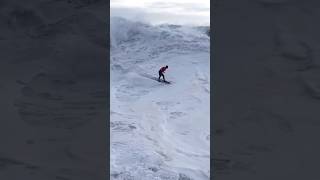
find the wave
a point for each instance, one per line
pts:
(157, 37)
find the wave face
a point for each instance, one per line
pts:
(154, 40)
(159, 131)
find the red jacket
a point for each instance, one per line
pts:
(163, 69)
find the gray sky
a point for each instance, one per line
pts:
(191, 12)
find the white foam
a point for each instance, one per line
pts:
(159, 131)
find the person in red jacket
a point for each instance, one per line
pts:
(161, 71)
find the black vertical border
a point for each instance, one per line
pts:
(108, 90)
(265, 88)
(212, 85)
(54, 90)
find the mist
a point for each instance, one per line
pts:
(156, 12)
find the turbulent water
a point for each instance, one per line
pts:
(159, 131)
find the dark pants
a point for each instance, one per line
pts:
(161, 74)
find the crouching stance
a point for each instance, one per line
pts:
(161, 71)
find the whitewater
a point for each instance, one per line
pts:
(159, 131)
